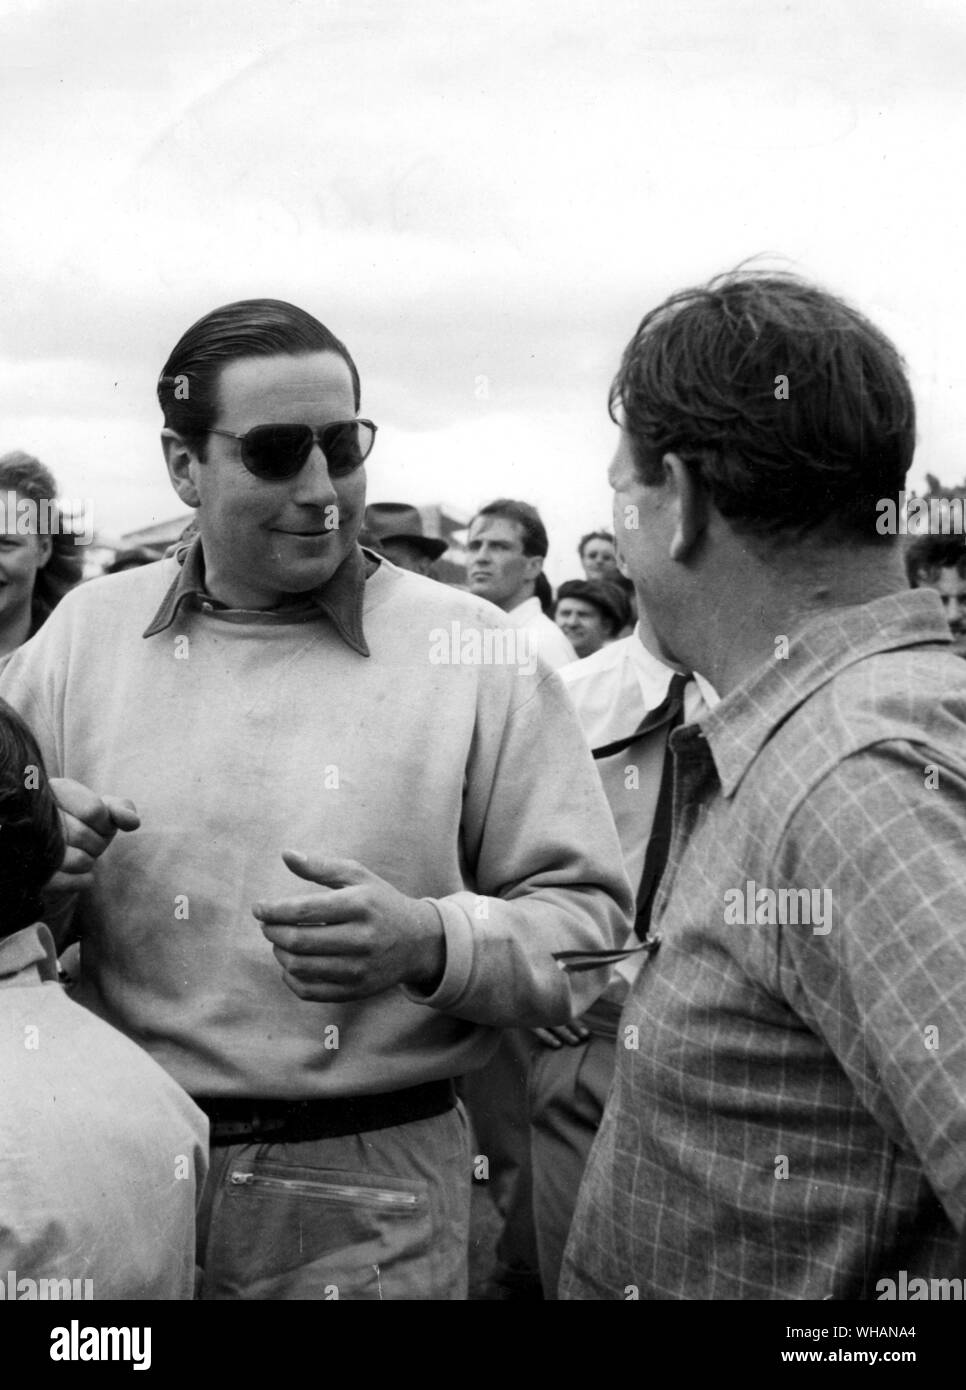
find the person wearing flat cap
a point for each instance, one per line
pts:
(590, 613)
(395, 530)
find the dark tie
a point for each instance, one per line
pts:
(659, 843)
(669, 713)
(671, 707)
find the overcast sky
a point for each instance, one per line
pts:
(481, 199)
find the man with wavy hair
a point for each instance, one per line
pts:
(788, 1116)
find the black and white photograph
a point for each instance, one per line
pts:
(483, 667)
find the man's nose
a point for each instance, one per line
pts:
(313, 483)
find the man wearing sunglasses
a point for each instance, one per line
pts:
(357, 851)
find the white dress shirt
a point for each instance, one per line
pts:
(551, 644)
(613, 690)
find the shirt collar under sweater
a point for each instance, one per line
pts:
(340, 600)
(28, 957)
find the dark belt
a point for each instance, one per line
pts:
(234, 1121)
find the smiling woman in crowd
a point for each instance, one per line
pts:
(38, 563)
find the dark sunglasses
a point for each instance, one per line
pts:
(277, 452)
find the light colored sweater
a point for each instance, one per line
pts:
(256, 734)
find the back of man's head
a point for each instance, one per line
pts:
(532, 530)
(31, 838)
(795, 409)
(188, 385)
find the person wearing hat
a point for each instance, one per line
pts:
(590, 613)
(395, 530)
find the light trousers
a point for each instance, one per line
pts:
(380, 1215)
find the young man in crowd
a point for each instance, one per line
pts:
(939, 562)
(505, 549)
(598, 556)
(346, 875)
(788, 1116)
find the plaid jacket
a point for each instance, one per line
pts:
(788, 1118)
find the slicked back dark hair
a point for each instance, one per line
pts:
(188, 385)
(31, 838)
(535, 540)
(702, 378)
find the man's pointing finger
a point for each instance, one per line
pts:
(318, 868)
(315, 910)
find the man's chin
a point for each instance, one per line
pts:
(312, 572)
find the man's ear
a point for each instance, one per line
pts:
(182, 464)
(689, 502)
(534, 566)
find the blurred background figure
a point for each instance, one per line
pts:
(35, 570)
(598, 555)
(505, 550)
(601, 561)
(590, 613)
(395, 529)
(939, 562)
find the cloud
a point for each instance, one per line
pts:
(461, 192)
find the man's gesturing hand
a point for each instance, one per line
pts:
(355, 937)
(90, 823)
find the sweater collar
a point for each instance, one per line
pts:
(340, 599)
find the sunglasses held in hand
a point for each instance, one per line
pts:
(278, 452)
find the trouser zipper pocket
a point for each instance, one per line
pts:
(324, 1191)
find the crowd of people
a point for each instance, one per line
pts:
(330, 890)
